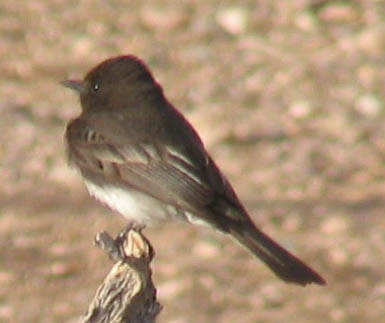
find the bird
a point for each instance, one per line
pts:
(141, 157)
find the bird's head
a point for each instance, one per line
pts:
(115, 83)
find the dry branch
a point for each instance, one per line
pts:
(127, 294)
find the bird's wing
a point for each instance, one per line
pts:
(166, 174)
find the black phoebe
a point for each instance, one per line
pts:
(140, 156)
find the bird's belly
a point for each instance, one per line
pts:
(133, 205)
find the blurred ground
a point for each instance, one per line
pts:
(289, 98)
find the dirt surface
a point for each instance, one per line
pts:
(289, 99)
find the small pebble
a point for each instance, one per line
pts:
(233, 20)
(300, 109)
(369, 105)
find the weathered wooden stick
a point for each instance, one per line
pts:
(127, 294)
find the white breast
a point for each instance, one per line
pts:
(133, 205)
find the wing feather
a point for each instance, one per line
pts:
(166, 176)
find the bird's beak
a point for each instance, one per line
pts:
(76, 85)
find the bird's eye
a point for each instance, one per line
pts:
(95, 87)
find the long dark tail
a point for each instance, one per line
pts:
(285, 265)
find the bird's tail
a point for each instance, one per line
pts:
(285, 265)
